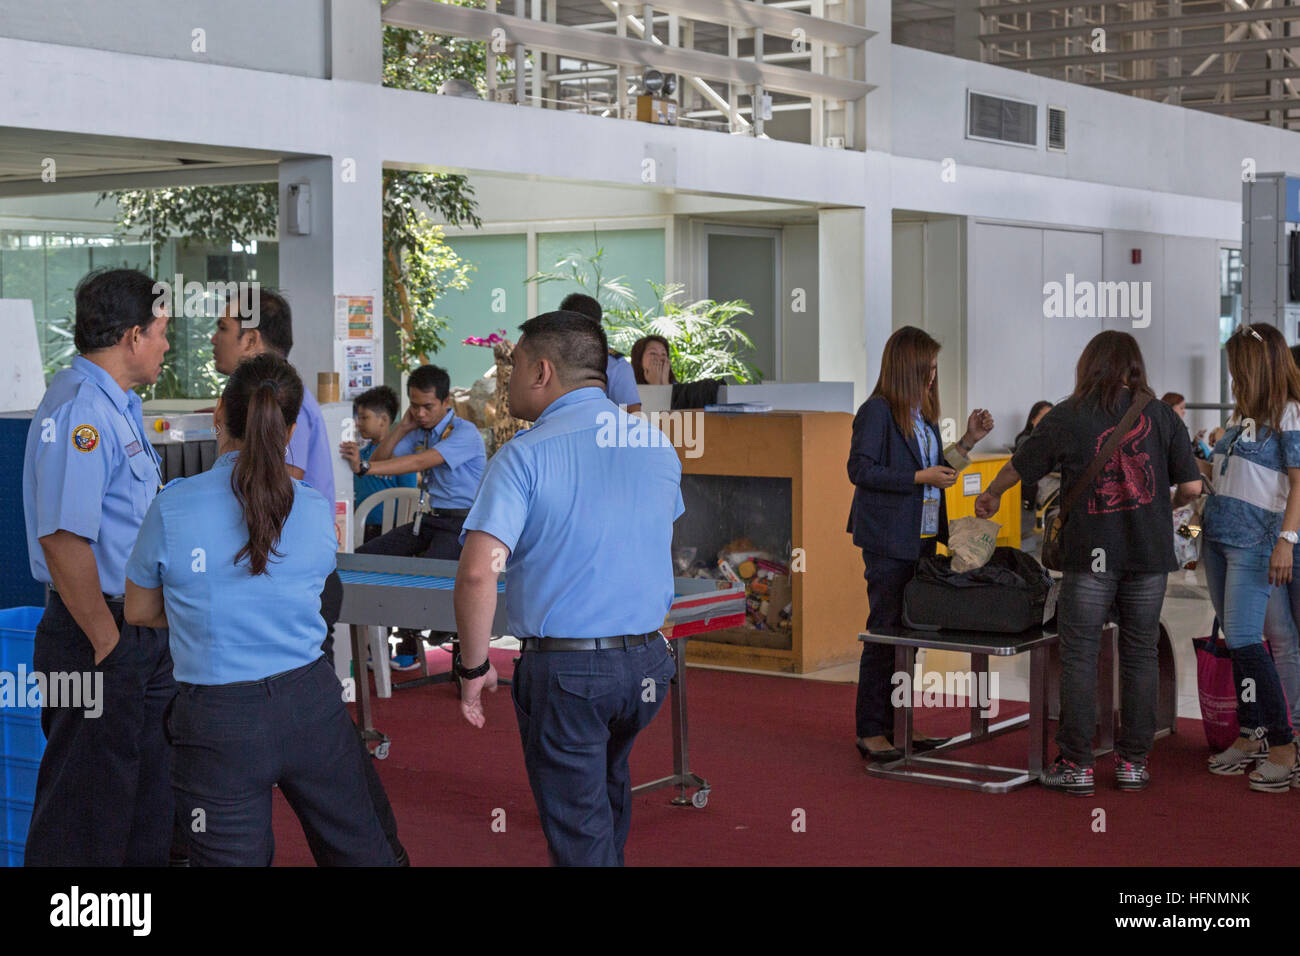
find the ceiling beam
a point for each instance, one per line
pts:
(444, 18)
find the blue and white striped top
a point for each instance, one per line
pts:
(1250, 482)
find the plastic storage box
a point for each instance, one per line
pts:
(21, 741)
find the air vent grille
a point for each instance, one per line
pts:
(1002, 120)
(1055, 127)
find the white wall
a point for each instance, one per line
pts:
(287, 36)
(1016, 355)
(929, 292)
(1111, 138)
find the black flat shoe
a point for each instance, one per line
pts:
(880, 756)
(929, 743)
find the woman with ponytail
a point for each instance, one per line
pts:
(233, 562)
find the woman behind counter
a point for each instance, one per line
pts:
(897, 467)
(233, 561)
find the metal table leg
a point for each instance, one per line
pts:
(361, 680)
(905, 663)
(682, 777)
(920, 767)
(1037, 710)
(979, 724)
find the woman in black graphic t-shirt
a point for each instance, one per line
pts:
(1117, 547)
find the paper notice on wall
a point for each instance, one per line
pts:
(354, 317)
(359, 369)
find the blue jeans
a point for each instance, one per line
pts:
(1082, 611)
(1284, 641)
(1239, 589)
(579, 713)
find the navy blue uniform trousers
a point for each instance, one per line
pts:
(102, 793)
(886, 578)
(579, 713)
(233, 741)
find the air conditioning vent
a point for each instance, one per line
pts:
(1001, 120)
(1056, 127)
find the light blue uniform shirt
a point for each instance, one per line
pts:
(621, 382)
(88, 469)
(227, 624)
(309, 449)
(586, 505)
(454, 483)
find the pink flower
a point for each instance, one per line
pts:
(494, 339)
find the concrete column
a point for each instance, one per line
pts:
(356, 41)
(852, 322)
(342, 254)
(966, 30)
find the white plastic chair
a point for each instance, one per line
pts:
(399, 506)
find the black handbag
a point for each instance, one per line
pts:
(1010, 593)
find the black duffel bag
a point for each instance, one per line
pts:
(1009, 594)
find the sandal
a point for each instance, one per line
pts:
(1235, 760)
(1273, 777)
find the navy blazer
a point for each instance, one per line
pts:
(886, 515)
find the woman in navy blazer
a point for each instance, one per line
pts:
(897, 468)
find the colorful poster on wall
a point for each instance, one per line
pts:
(359, 368)
(354, 317)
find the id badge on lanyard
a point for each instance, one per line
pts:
(929, 517)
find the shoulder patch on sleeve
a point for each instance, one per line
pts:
(85, 438)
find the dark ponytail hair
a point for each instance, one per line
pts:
(261, 401)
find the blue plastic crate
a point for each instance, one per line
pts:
(11, 854)
(17, 635)
(20, 779)
(17, 818)
(21, 736)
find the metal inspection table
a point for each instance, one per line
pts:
(388, 591)
(980, 645)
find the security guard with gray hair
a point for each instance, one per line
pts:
(103, 797)
(585, 527)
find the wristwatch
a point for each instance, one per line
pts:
(1289, 536)
(469, 673)
(364, 467)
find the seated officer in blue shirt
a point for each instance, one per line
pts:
(233, 561)
(447, 453)
(584, 528)
(620, 376)
(102, 794)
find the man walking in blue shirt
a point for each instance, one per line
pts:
(584, 525)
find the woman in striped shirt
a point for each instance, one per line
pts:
(1250, 526)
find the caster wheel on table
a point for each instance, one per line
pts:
(700, 798)
(381, 752)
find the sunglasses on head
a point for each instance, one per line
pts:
(1246, 328)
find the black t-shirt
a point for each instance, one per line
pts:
(1126, 512)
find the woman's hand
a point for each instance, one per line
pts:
(938, 476)
(1279, 565)
(978, 426)
(987, 504)
(656, 369)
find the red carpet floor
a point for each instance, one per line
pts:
(771, 746)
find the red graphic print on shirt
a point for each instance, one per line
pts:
(1127, 481)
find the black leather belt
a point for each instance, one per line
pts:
(624, 641)
(448, 512)
(110, 598)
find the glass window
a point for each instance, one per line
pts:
(45, 267)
